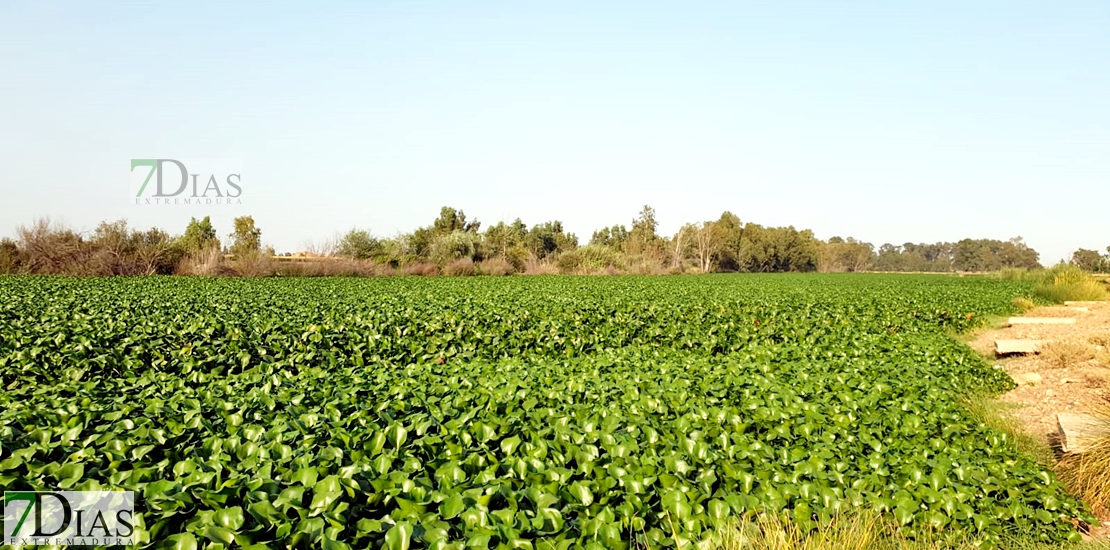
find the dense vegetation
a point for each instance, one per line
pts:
(455, 244)
(513, 412)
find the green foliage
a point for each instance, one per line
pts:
(589, 259)
(514, 411)
(451, 220)
(246, 239)
(614, 237)
(1069, 282)
(844, 255)
(457, 245)
(359, 244)
(1091, 260)
(199, 235)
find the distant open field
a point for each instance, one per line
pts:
(543, 412)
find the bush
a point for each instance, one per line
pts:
(460, 268)
(536, 267)
(497, 267)
(208, 262)
(1067, 282)
(9, 256)
(421, 269)
(589, 259)
(456, 245)
(1020, 274)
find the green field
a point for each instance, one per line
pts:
(543, 412)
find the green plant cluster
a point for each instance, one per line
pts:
(513, 412)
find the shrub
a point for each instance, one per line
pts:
(1020, 274)
(421, 269)
(1067, 353)
(9, 256)
(256, 265)
(51, 249)
(460, 268)
(498, 267)
(536, 267)
(1068, 282)
(208, 262)
(519, 257)
(456, 245)
(1023, 303)
(589, 259)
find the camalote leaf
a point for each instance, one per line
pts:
(427, 412)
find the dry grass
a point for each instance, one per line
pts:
(1023, 303)
(865, 530)
(1067, 353)
(1068, 282)
(997, 416)
(497, 267)
(533, 267)
(209, 262)
(421, 269)
(460, 268)
(1087, 474)
(772, 533)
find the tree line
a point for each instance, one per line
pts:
(456, 244)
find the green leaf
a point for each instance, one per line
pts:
(399, 536)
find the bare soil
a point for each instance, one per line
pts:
(1074, 366)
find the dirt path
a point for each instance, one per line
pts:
(1070, 374)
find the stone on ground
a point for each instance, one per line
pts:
(1006, 347)
(1028, 379)
(1042, 320)
(1078, 431)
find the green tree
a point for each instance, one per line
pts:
(359, 244)
(199, 235)
(614, 237)
(549, 238)
(451, 220)
(246, 238)
(1091, 260)
(642, 237)
(731, 239)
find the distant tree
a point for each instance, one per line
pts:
(501, 237)
(199, 235)
(1091, 260)
(455, 245)
(614, 237)
(704, 241)
(549, 238)
(450, 220)
(642, 237)
(359, 244)
(731, 240)
(246, 238)
(1015, 253)
(840, 255)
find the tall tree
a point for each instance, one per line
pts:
(199, 235)
(246, 239)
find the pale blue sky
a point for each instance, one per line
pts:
(888, 121)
